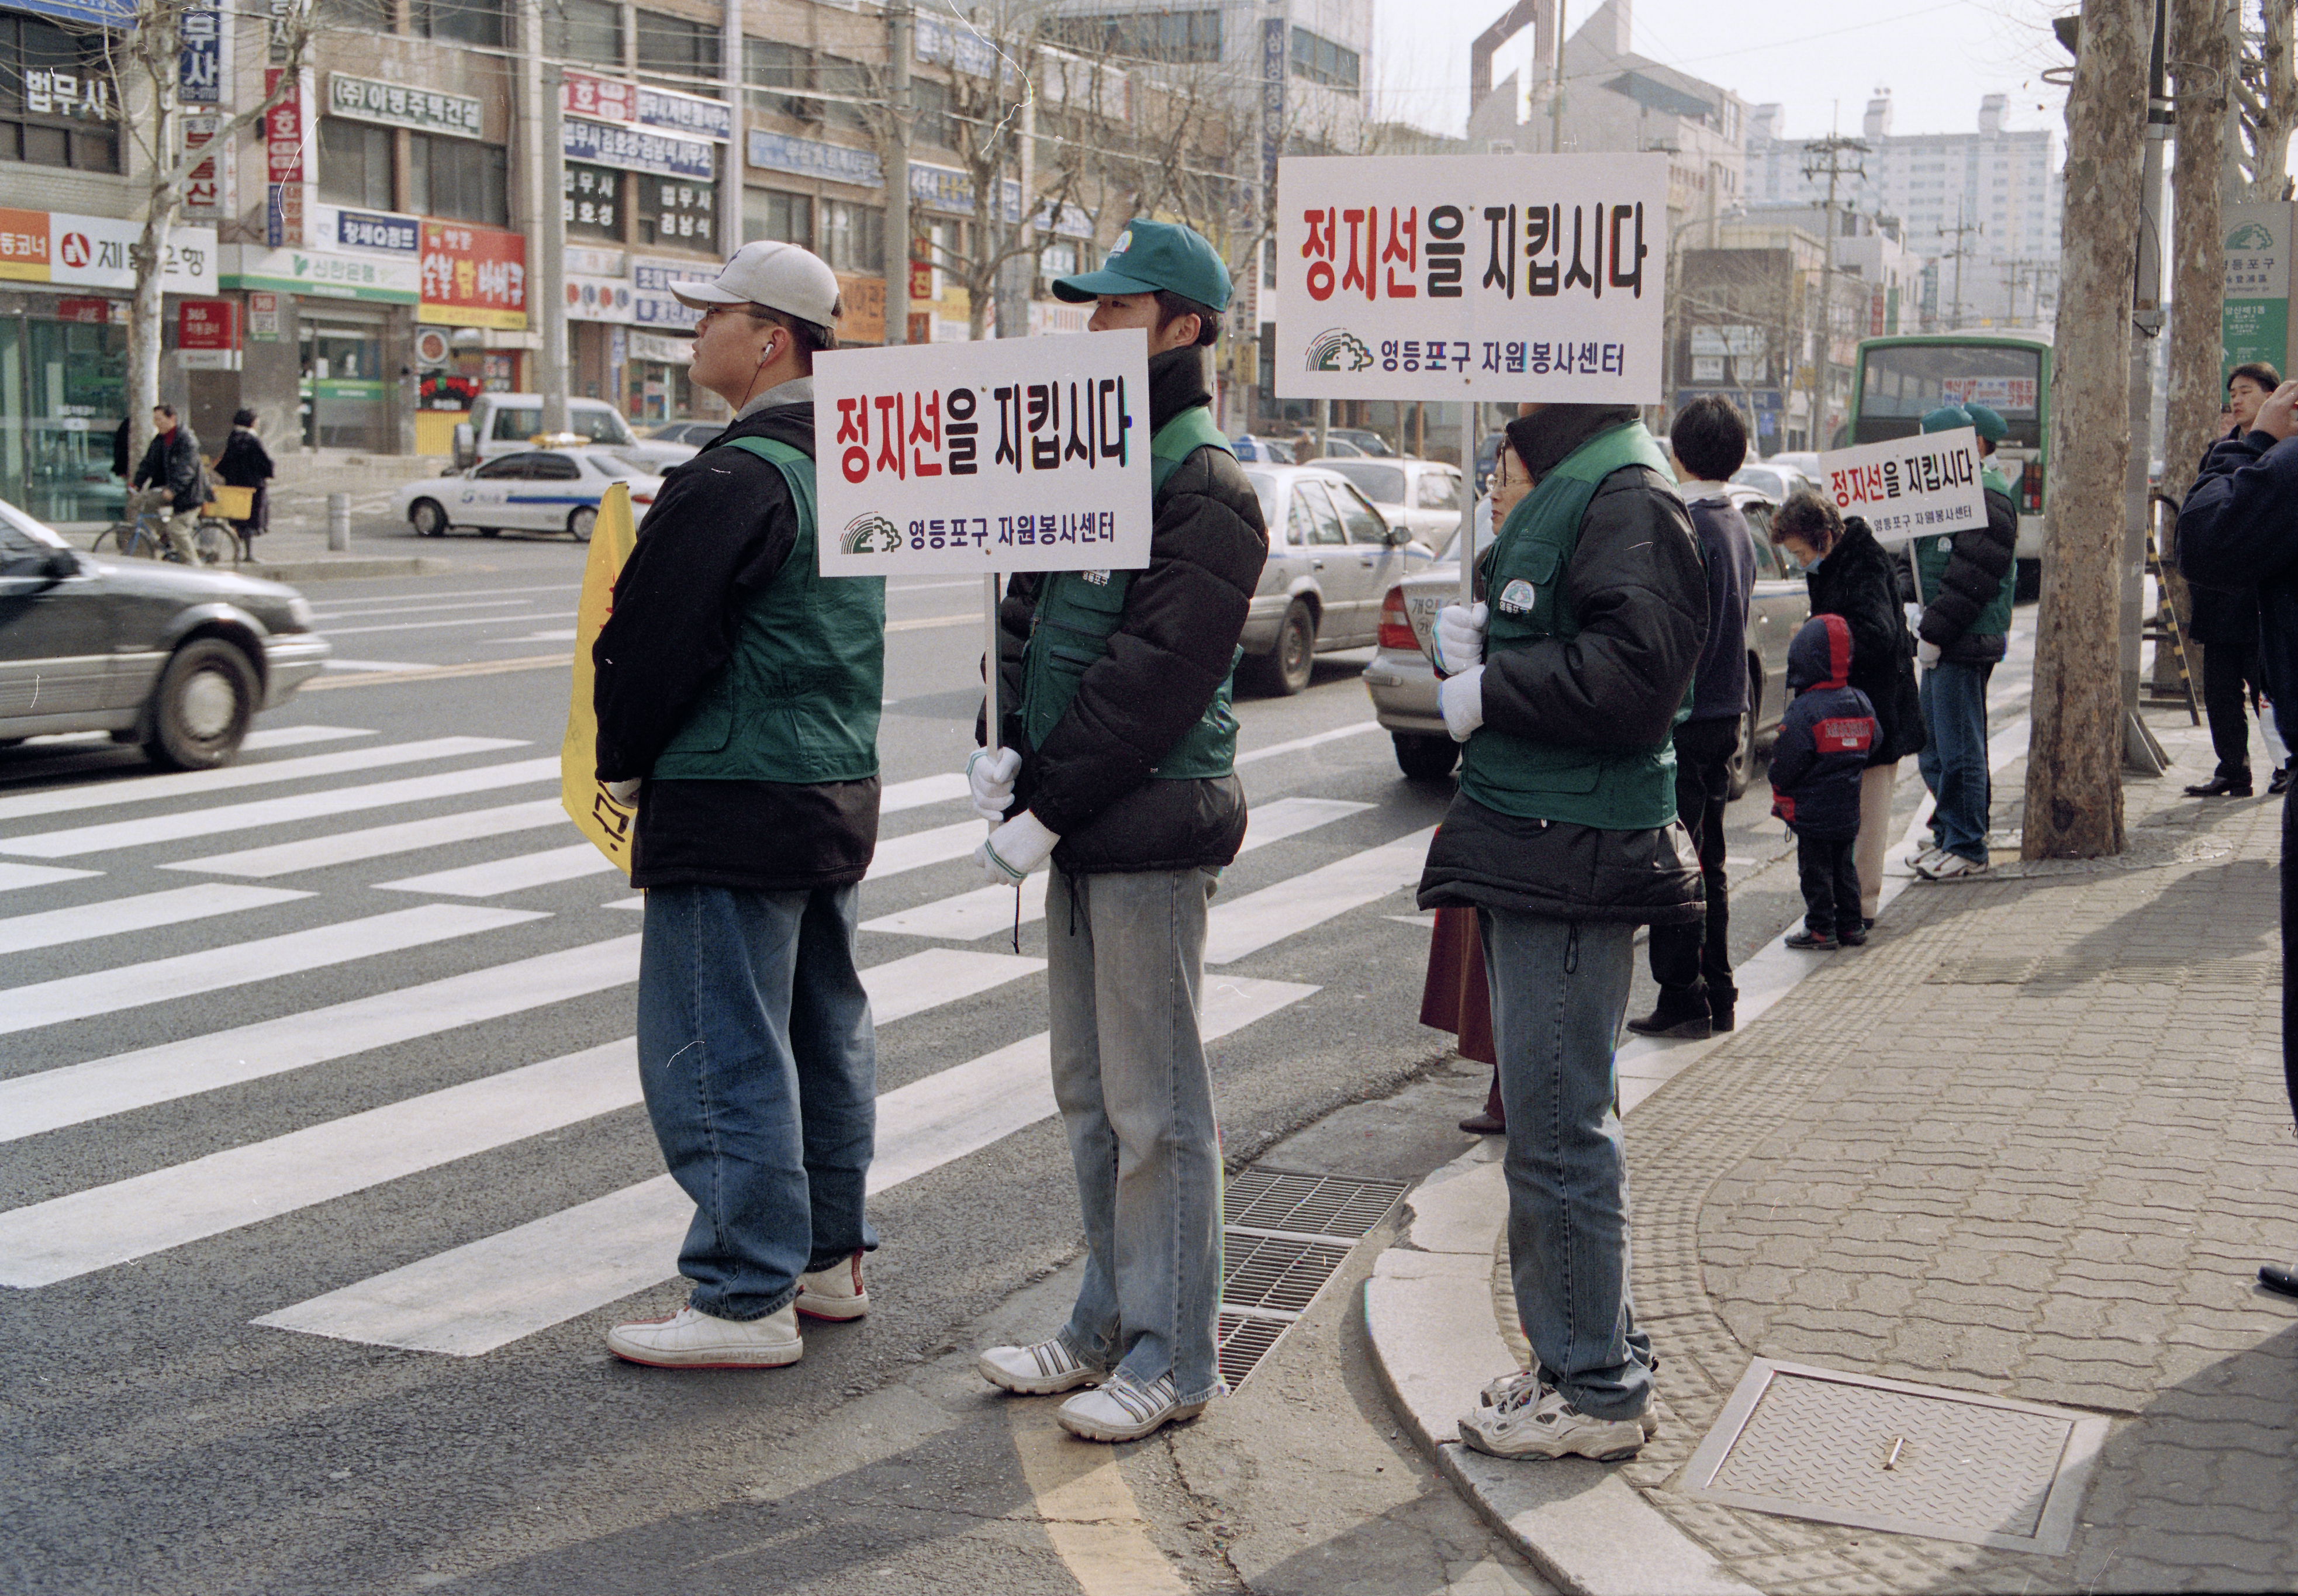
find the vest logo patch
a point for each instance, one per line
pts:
(1518, 597)
(1098, 578)
(1947, 543)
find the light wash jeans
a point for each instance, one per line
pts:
(1559, 990)
(760, 1067)
(1953, 757)
(1125, 959)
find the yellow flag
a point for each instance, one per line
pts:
(606, 823)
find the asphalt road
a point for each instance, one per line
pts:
(413, 1147)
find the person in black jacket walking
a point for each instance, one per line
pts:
(1566, 683)
(1693, 963)
(1849, 574)
(172, 471)
(738, 696)
(1817, 767)
(2225, 622)
(245, 463)
(1115, 760)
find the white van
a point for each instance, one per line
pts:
(509, 424)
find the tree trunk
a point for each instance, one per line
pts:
(2074, 756)
(2271, 179)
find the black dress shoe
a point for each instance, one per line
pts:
(2275, 1277)
(2223, 786)
(1481, 1124)
(1677, 1018)
(1720, 1010)
(2280, 782)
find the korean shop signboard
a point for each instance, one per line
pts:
(1504, 277)
(1021, 454)
(472, 277)
(1909, 488)
(2255, 314)
(400, 105)
(91, 251)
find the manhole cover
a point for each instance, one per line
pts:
(1810, 1443)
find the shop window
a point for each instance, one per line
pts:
(853, 237)
(676, 48)
(459, 179)
(768, 64)
(591, 201)
(58, 106)
(463, 21)
(588, 30)
(365, 16)
(678, 213)
(1321, 61)
(1177, 36)
(784, 218)
(355, 164)
(932, 99)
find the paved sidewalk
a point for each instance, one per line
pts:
(2030, 1143)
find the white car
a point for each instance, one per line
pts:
(1421, 497)
(538, 490)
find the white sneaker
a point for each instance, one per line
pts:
(1039, 1370)
(1123, 1409)
(691, 1338)
(1923, 862)
(1951, 865)
(1536, 1421)
(1498, 1391)
(836, 1293)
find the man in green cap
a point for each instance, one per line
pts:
(1113, 760)
(1963, 581)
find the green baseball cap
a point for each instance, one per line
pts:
(1990, 425)
(1946, 419)
(1151, 255)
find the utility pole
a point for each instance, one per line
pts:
(1961, 249)
(2141, 754)
(1556, 89)
(898, 18)
(1834, 158)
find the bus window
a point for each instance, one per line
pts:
(1900, 382)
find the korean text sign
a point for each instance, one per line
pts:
(1909, 487)
(1014, 454)
(1504, 277)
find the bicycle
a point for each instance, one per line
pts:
(143, 536)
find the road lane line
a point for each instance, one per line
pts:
(436, 672)
(198, 783)
(923, 790)
(239, 963)
(73, 1094)
(288, 737)
(146, 912)
(346, 848)
(986, 910)
(13, 876)
(267, 812)
(1298, 743)
(1275, 913)
(333, 633)
(487, 1294)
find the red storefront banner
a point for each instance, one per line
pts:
(283, 132)
(207, 324)
(472, 277)
(600, 99)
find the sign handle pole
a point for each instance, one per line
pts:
(1466, 537)
(989, 664)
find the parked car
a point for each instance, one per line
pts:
(179, 659)
(1331, 557)
(1421, 496)
(1403, 687)
(1267, 452)
(694, 435)
(504, 423)
(1363, 440)
(539, 490)
(1772, 478)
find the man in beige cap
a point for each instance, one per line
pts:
(737, 697)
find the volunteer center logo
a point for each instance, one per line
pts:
(1338, 350)
(870, 535)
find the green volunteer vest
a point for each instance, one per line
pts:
(1930, 564)
(1612, 789)
(799, 701)
(1079, 611)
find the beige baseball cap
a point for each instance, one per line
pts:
(780, 276)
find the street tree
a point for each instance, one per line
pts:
(146, 58)
(2074, 756)
(2202, 54)
(2266, 95)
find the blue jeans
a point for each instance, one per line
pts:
(1954, 759)
(1559, 990)
(760, 1067)
(1125, 960)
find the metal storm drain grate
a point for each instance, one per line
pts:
(1810, 1443)
(1286, 1236)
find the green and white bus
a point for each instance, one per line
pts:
(1903, 379)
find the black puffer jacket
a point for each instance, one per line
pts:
(172, 461)
(1090, 782)
(1641, 596)
(1860, 582)
(1976, 565)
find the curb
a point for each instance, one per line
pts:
(1582, 1525)
(344, 567)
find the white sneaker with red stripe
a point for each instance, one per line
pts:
(836, 1293)
(691, 1338)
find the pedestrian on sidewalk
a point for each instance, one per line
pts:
(1115, 760)
(1455, 997)
(1964, 582)
(1565, 680)
(2225, 622)
(2239, 524)
(1849, 574)
(1817, 766)
(743, 689)
(245, 463)
(176, 479)
(1693, 963)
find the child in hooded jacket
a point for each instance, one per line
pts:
(1825, 740)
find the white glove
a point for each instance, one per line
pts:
(1463, 700)
(1927, 655)
(626, 793)
(1914, 613)
(990, 772)
(1458, 642)
(1021, 845)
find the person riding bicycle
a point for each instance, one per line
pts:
(171, 467)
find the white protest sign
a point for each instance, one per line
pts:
(1504, 277)
(1015, 454)
(1909, 487)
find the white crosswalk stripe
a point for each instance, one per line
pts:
(1269, 915)
(146, 912)
(15, 876)
(513, 874)
(199, 783)
(378, 842)
(919, 849)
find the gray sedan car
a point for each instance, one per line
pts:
(1331, 557)
(177, 658)
(1404, 686)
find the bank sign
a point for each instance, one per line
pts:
(92, 251)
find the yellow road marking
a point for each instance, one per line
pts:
(1089, 1513)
